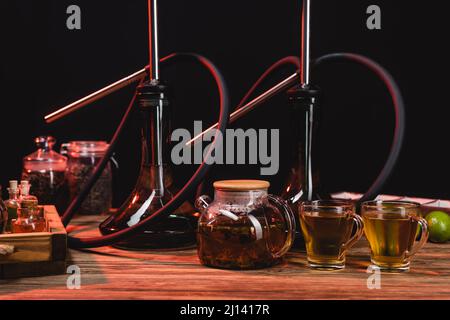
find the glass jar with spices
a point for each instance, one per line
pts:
(83, 157)
(45, 170)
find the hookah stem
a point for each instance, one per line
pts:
(303, 64)
(309, 101)
(285, 61)
(189, 187)
(91, 98)
(153, 73)
(152, 70)
(305, 41)
(153, 39)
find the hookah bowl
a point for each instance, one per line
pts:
(154, 187)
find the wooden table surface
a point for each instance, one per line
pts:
(109, 273)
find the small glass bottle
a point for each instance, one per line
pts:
(12, 204)
(29, 220)
(30, 217)
(45, 169)
(26, 200)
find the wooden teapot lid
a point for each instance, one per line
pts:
(241, 185)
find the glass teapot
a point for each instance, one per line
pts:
(244, 227)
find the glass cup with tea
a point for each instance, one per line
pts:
(327, 228)
(392, 228)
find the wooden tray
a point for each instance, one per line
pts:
(36, 254)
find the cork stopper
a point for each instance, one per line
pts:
(25, 188)
(241, 185)
(13, 184)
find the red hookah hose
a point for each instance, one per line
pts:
(397, 99)
(291, 60)
(77, 201)
(179, 198)
(400, 116)
(372, 192)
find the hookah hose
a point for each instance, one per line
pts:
(179, 198)
(400, 117)
(370, 194)
(397, 99)
(290, 60)
(77, 201)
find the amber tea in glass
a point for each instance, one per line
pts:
(391, 229)
(327, 228)
(234, 244)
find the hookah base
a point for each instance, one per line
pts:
(173, 233)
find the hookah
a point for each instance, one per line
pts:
(152, 196)
(151, 97)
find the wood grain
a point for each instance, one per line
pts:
(35, 254)
(109, 273)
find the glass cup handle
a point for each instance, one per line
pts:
(423, 236)
(290, 221)
(114, 162)
(358, 234)
(64, 150)
(202, 203)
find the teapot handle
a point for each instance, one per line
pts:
(290, 222)
(202, 203)
(64, 150)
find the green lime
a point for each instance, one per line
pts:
(439, 226)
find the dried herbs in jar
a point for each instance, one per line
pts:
(83, 157)
(45, 170)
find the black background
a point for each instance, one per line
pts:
(43, 65)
